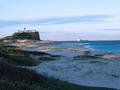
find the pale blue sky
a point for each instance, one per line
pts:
(62, 19)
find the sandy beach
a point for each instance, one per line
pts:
(103, 72)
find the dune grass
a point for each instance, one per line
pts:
(16, 78)
(23, 58)
(88, 55)
(16, 57)
(13, 77)
(85, 57)
(49, 57)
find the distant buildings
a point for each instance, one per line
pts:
(25, 30)
(26, 34)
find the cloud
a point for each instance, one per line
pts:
(91, 18)
(113, 29)
(56, 20)
(52, 32)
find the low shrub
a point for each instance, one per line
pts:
(23, 60)
(16, 78)
(17, 56)
(49, 57)
(82, 57)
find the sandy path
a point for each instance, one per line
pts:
(89, 72)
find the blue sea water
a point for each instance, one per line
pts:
(110, 46)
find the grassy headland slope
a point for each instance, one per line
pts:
(13, 77)
(24, 35)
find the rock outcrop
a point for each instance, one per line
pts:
(24, 34)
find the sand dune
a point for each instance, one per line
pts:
(98, 73)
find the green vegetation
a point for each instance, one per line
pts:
(49, 57)
(23, 60)
(13, 77)
(26, 35)
(84, 57)
(16, 78)
(33, 35)
(9, 85)
(94, 62)
(87, 55)
(17, 57)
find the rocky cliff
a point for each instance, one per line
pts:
(26, 35)
(32, 35)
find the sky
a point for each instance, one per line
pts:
(62, 19)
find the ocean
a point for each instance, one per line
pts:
(109, 46)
